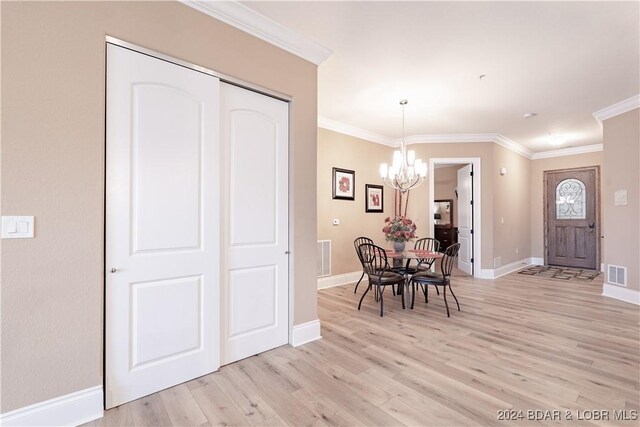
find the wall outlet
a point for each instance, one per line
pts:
(336, 221)
(517, 250)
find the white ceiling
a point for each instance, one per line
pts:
(563, 61)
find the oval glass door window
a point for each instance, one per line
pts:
(571, 199)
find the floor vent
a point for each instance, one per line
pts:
(324, 258)
(617, 275)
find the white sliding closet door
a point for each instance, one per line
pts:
(162, 225)
(255, 142)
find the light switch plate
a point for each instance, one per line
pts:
(17, 227)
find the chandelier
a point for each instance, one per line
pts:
(406, 172)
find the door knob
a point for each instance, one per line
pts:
(114, 270)
(592, 225)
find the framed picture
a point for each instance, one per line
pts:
(344, 184)
(374, 195)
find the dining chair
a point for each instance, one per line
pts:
(376, 266)
(428, 244)
(427, 278)
(356, 243)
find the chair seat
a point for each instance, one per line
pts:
(404, 270)
(428, 277)
(386, 278)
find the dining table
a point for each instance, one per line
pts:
(408, 255)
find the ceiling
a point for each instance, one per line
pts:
(561, 60)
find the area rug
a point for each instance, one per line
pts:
(561, 273)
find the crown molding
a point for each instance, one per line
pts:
(618, 108)
(513, 146)
(567, 151)
(448, 138)
(258, 25)
(355, 131)
(453, 138)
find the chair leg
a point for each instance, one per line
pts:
(444, 291)
(404, 291)
(454, 297)
(361, 277)
(413, 293)
(363, 295)
(382, 301)
(425, 291)
(437, 291)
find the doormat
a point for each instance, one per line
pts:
(561, 273)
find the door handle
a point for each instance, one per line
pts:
(592, 225)
(114, 270)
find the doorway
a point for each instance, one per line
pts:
(467, 202)
(572, 217)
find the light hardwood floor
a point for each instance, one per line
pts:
(519, 343)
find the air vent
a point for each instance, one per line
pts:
(617, 275)
(324, 258)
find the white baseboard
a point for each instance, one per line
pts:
(486, 273)
(621, 293)
(70, 410)
(339, 279)
(537, 261)
(305, 333)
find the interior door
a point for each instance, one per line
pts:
(465, 218)
(162, 219)
(255, 141)
(572, 218)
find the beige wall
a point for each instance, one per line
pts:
(445, 181)
(511, 206)
(347, 152)
(621, 165)
(537, 185)
(335, 149)
(53, 65)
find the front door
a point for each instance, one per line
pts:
(572, 217)
(162, 225)
(255, 286)
(465, 219)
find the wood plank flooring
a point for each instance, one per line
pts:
(520, 343)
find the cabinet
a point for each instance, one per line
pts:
(446, 235)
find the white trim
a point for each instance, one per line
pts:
(258, 25)
(305, 333)
(537, 261)
(69, 410)
(477, 204)
(567, 151)
(617, 108)
(345, 129)
(451, 138)
(513, 146)
(339, 280)
(620, 293)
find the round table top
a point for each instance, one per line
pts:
(413, 254)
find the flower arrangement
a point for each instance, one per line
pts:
(399, 229)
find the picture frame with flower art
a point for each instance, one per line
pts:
(344, 184)
(374, 198)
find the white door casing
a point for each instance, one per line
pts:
(465, 219)
(255, 199)
(162, 223)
